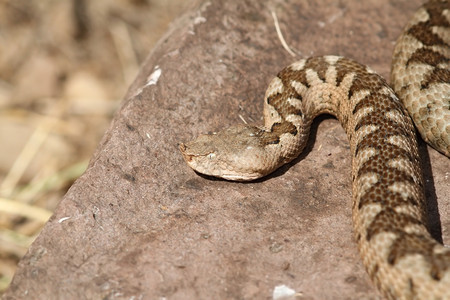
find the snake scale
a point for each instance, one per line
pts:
(389, 205)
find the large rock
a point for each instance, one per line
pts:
(139, 224)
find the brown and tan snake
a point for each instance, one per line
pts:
(389, 214)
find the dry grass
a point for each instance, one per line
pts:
(64, 67)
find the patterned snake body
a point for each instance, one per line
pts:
(421, 72)
(389, 214)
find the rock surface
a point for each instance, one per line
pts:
(139, 224)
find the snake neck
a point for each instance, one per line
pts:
(334, 85)
(389, 203)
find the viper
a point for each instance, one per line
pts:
(389, 204)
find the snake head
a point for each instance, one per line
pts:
(237, 153)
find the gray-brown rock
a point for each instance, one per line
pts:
(140, 224)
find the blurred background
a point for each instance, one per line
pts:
(64, 67)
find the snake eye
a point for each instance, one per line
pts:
(211, 155)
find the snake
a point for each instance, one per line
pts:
(389, 214)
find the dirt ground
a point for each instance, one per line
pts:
(64, 68)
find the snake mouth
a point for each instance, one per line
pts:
(189, 155)
(202, 163)
(183, 149)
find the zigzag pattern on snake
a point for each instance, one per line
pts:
(389, 214)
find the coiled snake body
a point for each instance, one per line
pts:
(389, 214)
